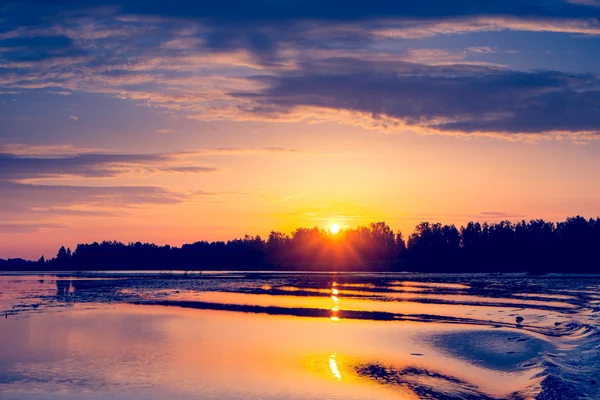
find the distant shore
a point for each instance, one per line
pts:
(535, 247)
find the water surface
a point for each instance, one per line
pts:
(297, 336)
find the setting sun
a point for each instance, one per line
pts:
(334, 229)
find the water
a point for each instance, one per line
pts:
(298, 336)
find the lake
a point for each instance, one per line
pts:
(239, 335)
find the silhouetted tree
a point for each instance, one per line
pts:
(536, 246)
(62, 253)
(400, 244)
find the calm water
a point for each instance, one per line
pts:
(298, 336)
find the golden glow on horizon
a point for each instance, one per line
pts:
(334, 229)
(345, 191)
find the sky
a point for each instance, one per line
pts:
(172, 122)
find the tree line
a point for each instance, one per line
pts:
(535, 246)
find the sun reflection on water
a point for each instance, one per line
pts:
(334, 368)
(336, 302)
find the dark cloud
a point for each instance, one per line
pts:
(16, 167)
(324, 55)
(448, 98)
(262, 26)
(264, 11)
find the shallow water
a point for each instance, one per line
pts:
(298, 336)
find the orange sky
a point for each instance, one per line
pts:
(335, 174)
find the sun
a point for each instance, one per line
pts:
(334, 229)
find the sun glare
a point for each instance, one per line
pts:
(334, 229)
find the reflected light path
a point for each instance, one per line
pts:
(336, 302)
(334, 368)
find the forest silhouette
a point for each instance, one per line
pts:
(537, 247)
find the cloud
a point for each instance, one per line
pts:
(350, 62)
(20, 197)
(28, 228)
(252, 12)
(62, 93)
(216, 197)
(447, 57)
(189, 169)
(591, 3)
(15, 167)
(71, 212)
(247, 150)
(231, 192)
(20, 149)
(500, 214)
(418, 29)
(244, 25)
(290, 197)
(481, 217)
(465, 99)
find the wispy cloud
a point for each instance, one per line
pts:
(23, 195)
(491, 216)
(500, 214)
(447, 57)
(24, 198)
(90, 165)
(189, 169)
(290, 197)
(19, 149)
(417, 29)
(219, 193)
(247, 150)
(28, 228)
